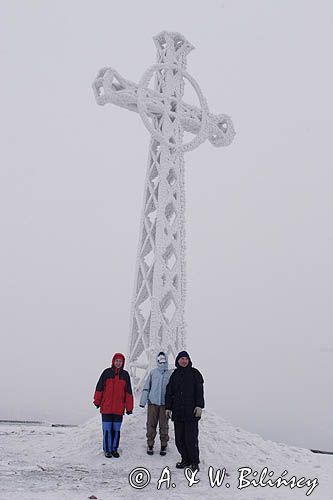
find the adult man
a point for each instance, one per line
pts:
(154, 393)
(113, 395)
(184, 401)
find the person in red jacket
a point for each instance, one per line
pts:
(113, 395)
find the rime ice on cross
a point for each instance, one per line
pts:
(157, 311)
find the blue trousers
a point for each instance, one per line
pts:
(111, 435)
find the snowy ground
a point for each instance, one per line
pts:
(46, 463)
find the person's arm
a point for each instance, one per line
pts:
(145, 391)
(129, 402)
(199, 390)
(99, 390)
(166, 378)
(169, 394)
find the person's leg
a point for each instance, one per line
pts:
(163, 426)
(106, 436)
(191, 441)
(180, 441)
(116, 421)
(115, 435)
(152, 420)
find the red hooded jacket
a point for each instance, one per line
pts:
(113, 392)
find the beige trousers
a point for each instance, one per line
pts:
(156, 415)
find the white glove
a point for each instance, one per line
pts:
(197, 411)
(168, 413)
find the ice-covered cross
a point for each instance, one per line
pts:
(157, 313)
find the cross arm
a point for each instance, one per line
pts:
(111, 87)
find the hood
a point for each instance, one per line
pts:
(118, 355)
(180, 355)
(163, 366)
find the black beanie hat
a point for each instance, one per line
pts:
(183, 354)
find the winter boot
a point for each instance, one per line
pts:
(150, 450)
(182, 465)
(163, 450)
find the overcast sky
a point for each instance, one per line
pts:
(258, 213)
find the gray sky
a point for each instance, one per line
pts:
(259, 213)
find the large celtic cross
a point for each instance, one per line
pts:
(157, 312)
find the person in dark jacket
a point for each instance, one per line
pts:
(184, 401)
(113, 395)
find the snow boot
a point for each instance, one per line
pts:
(182, 465)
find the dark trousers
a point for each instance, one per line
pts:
(186, 438)
(111, 431)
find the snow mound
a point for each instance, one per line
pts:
(44, 463)
(221, 446)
